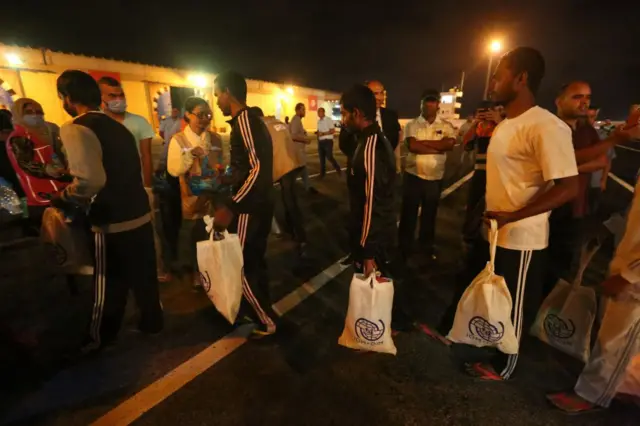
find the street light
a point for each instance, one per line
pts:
(494, 47)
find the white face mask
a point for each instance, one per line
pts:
(33, 120)
(117, 106)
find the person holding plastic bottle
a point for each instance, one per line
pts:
(35, 158)
(195, 157)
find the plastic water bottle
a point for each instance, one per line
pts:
(10, 201)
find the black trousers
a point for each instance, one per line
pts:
(325, 152)
(171, 212)
(124, 261)
(472, 227)
(565, 238)
(294, 222)
(418, 193)
(523, 271)
(253, 231)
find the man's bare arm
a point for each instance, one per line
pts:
(594, 165)
(147, 162)
(564, 190)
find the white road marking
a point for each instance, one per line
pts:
(133, 408)
(628, 148)
(455, 186)
(621, 182)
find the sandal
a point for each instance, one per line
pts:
(434, 334)
(571, 403)
(482, 372)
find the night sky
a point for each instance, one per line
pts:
(408, 45)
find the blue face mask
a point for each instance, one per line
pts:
(117, 106)
(33, 120)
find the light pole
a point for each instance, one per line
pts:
(494, 47)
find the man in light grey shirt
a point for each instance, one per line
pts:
(298, 134)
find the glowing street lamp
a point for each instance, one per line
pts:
(495, 47)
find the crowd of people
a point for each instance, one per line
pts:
(533, 175)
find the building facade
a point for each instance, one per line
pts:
(27, 72)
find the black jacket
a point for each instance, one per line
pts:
(251, 153)
(371, 191)
(390, 126)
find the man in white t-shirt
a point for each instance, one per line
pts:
(531, 169)
(114, 104)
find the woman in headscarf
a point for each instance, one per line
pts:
(36, 158)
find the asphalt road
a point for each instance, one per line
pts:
(301, 376)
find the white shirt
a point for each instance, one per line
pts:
(427, 166)
(626, 261)
(180, 160)
(379, 118)
(139, 126)
(325, 124)
(525, 155)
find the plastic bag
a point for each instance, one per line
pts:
(368, 322)
(220, 263)
(483, 316)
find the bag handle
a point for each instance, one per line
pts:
(208, 220)
(585, 259)
(493, 242)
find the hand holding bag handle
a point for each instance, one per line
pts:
(209, 220)
(493, 243)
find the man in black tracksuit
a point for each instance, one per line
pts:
(107, 181)
(371, 193)
(249, 209)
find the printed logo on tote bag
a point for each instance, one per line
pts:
(369, 331)
(205, 279)
(559, 328)
(480, 327)
(57, 252)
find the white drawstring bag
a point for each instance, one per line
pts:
(220, 264)
(368, 323)
(483, 316)
(67, 243)
(566, 316)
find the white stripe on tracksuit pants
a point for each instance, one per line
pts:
(253, 231)
(124, 261)
(522, 271)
